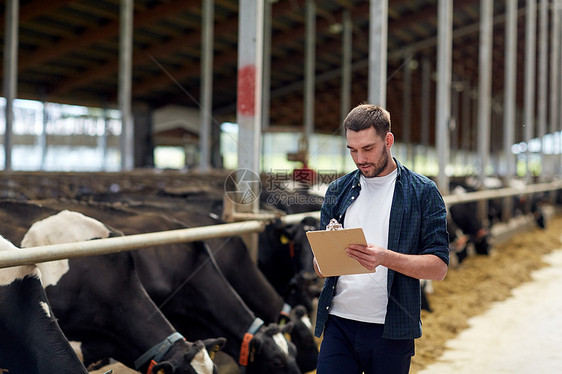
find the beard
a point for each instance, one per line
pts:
(377, 168)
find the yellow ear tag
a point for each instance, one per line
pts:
(284, 239)
(214, 351)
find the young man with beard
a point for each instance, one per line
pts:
(370, 320)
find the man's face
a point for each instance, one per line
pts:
(370, 152)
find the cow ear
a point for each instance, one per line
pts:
(162, 368)
(213, 345)
(287, 328)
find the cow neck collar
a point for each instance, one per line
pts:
(285, 314)
(244, 358)
(156, 353)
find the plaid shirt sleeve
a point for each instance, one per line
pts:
(418, 226)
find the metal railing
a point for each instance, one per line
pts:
(61, 251)
(34, 255)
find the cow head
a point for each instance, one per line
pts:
(285, 258)
(302, 337)
(482, 242)
(302, 250)
(173, 355)
(197, 361)
(270, 352)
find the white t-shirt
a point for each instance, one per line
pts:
(364, 297)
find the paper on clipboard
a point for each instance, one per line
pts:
(329, 249)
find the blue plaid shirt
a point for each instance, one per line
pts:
(418, 225)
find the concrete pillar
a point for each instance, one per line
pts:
(11, 40)
(542, 98)
(425, 102)
(378, 40)
(43, 136)
(346, 74)
(509, 99)
(310, 71)
(407, 107)
(208, 18)
(484, 85)
(555, 69)
(443, 102)
(266, 76)
(248, 113)
(510, 88)
(250, 61)
(125, 84)
(530, 77)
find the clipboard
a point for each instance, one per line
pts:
(329, 249)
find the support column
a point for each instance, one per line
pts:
(266, 76)
(555, 71)
(443, 102)
(484, 86)
(103, 140)
(425, 104)
(206, 110)
(378, 40)
(559, 126)
(465, 123)
(250, 44)
(454, 123)
(11, 40)
(43, 136)
(310, 73)
(558, 6)
(345, 107)
(484, 96)
(407, 107)
(125, 84)
(509, 99)
(542, 77)
(510, 88)
(248, 112)
(530, 76)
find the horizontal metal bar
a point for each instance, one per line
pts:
(292, 219)
(501, 192)
(132, 242)
(53, 252)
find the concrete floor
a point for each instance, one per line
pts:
(522, 334)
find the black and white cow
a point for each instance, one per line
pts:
(31, 341)
(285, 257)
(233, 259)
(465, 217)
(231, 254)
(109, 315)
(188, 286)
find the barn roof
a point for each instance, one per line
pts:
(68, 53)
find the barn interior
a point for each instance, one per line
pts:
(139, 103)
(316, 57)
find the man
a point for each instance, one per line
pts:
(370, 320)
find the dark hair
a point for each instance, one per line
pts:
(364, 116)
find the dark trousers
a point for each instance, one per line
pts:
(357, 347)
